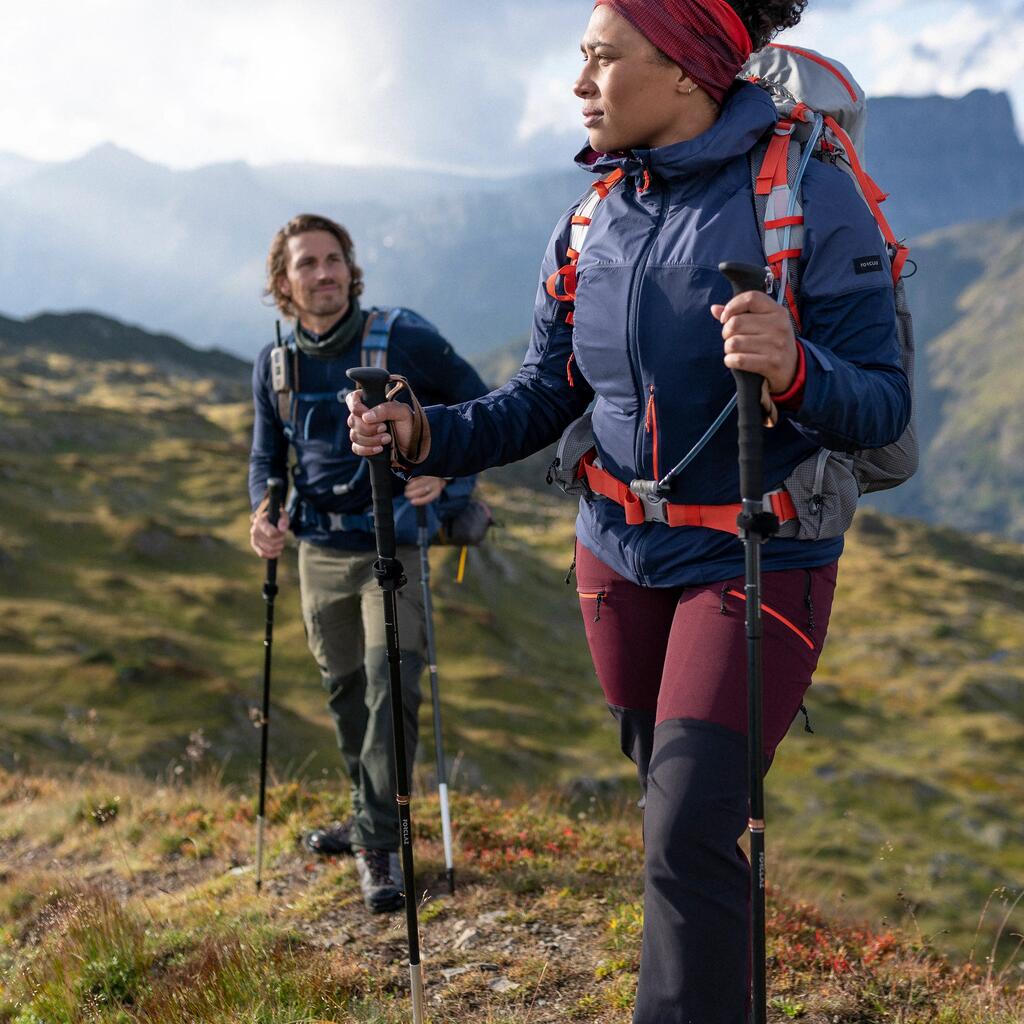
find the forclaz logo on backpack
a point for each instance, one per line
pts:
(867, 264)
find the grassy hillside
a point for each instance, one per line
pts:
(125, 902)
(131, 627)
(968, 317)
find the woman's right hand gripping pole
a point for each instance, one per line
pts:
(372, 429)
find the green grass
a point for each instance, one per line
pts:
(131, 637)
(544, 927)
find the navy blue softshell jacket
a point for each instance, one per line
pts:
(647, 349)
(323, 451)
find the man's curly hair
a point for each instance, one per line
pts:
(765, 20)
(277, 258)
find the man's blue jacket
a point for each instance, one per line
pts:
(327, 475)
(645, 346)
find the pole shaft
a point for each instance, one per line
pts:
(401, 773)
(373, 382)
(755, 765)
(275, 494)
(435, 697)
(751, 488)
(755, 529)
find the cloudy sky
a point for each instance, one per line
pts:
(481, 86)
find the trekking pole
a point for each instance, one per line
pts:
(756, 526)
(275, 493)
(435, 696)
(388, 570)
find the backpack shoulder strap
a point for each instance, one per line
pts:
(377, 336)
(776, 164)
(284, 358)
(561, 285)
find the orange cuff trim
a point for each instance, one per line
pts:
(792, 397)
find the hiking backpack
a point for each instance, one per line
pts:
(822, 114)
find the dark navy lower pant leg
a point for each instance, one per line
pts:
(695, 943)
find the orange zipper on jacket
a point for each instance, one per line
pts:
(777, 615)
(651, 423)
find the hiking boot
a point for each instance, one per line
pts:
(331, 840)
(380, 879)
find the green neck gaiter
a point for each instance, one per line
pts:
(336, 340)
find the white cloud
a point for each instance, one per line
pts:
(550, 103)
(921, 47)
(398, 82)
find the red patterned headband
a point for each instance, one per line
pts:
(704, 37)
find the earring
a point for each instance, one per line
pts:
(691, 90)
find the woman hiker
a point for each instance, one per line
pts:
(651, 337)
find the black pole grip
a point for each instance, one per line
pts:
(747, 277)
(373, 380)
(275, 497)
(744, 277)
(751, 460)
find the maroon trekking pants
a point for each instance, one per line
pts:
(673, 666)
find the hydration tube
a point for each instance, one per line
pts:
(665, 483)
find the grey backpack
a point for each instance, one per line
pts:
(822, 113)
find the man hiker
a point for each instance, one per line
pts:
(299, 391)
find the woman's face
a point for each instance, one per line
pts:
(632, 97)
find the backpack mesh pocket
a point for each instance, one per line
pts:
(824, 492)
(575, 442)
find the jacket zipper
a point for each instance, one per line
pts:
(768, 610)
(633, 330)
(651, 425)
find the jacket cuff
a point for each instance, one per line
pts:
(792, 398)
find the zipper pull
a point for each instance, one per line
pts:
(600, 598)
(649, 421)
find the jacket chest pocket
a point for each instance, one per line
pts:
(601, 334)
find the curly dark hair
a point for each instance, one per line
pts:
(277, 257)
(765, 20)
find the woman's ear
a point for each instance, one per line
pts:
(686, 85)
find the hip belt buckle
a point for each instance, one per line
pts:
(655, 506)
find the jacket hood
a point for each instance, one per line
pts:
(747, 114)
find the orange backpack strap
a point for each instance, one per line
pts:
(780, 213)
(561, 285)
(873, 196)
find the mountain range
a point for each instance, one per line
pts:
(183, 251)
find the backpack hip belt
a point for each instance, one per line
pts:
(643, 508)
(335, 522)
